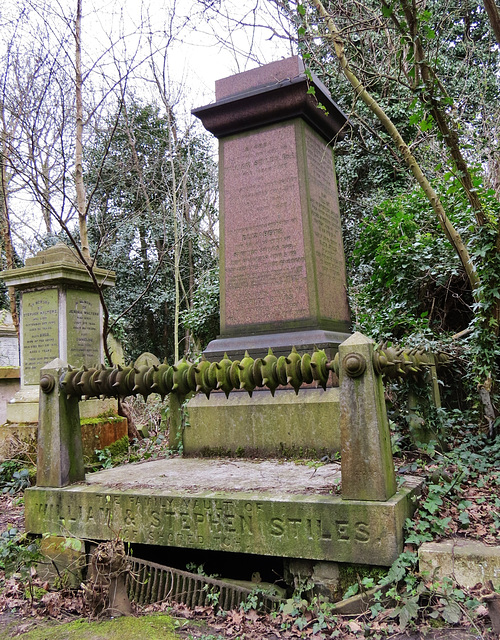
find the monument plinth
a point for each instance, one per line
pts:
(60, 317)
(282, 266)
(282, 260)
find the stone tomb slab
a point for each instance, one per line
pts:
(263, 507)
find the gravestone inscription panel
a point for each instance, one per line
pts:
(327, 245)
(83, 327)
(40, 314)
(265, 274)
(9, 351)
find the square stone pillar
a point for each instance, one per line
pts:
(282, 266)
(281, 254)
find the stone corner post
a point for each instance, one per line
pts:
(366, 457)
(176, 439)
(60, 453)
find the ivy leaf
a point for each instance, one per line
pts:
(408, 612)
(464, 518)
(301, 9)
(451, 613)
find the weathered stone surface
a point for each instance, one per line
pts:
(99, 434)
(9, 386)
(9, 343)
(60, 318)
(310, 526)
(83, 328)
(282, 260)
(60, 455)
(23, 407)
(62, 564)
(277, 270)
(303, 425)
(367, 464)
(57, 265)
(264, 76)
(272, 93)
(466, 561)
(201, 474)
(40, 332)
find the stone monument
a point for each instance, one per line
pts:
(60, 317)
(282, 266)
(282, 260)
(9, 362)
(9, 344)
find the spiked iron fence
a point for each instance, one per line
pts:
(269, 372)
(360, 366)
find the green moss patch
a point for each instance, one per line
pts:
(118, 448)
(101, 419)
(154, 627)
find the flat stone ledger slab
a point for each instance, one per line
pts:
(282, 261)
(306, 425)
(264, 521)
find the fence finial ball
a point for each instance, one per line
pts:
(354, 365)
(47, 383)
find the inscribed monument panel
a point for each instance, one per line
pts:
(327, 232)
(84, 327)
(265, 271)
(40, 331)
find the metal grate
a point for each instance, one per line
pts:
(149, 582)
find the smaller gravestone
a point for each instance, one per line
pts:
(9, 362)
(60, 317)
(9, 344)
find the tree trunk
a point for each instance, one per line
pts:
(81, 198)
(450, 232)
(5, 230)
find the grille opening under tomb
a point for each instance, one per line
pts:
(218, 564)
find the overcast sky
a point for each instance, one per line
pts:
(204, 47)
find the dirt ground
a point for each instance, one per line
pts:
(11, 512)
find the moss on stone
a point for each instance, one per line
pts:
(153, 627)
(119, 448)
(350, 574)
(101, 418)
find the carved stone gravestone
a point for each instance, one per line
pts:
(282, 260)
(282, 264)
(9, 362)
(9, 344)
(61, 318)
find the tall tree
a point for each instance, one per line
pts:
(152, 212)
(429, 57)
